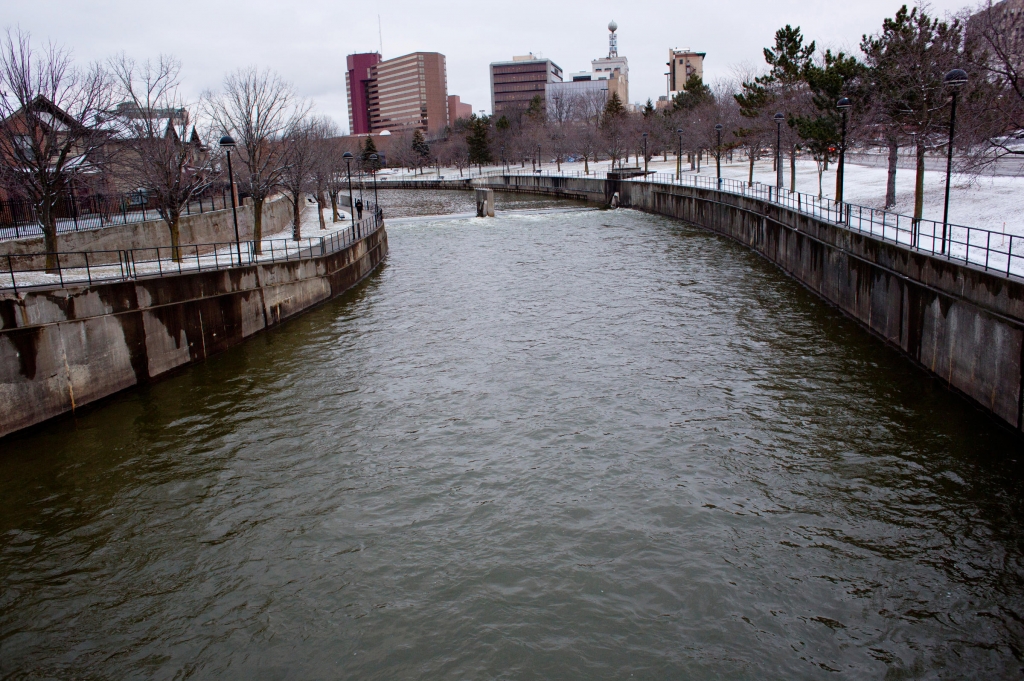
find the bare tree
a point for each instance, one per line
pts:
(50, 114)
(996, 32)
(325, 164)
(257, 108)
(302, 146)
(161, 154)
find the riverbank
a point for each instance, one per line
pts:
(64, 348)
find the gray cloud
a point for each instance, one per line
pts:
(307, 41)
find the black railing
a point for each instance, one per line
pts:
(79, 213)
(990, 250)
(29, 271)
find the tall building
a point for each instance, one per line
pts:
(457, 110)
(615, 66)
(515, 83)
(357, 82)
(402, 93)
(586, 89)
(681, 65)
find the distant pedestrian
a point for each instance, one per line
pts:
(359, 209)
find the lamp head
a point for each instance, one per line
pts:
(373, 157)
(844, 104)
(779, 117)
(645, 135)
(955, 79)
(227, 142)
(679, 131)
(718, 127)
(347, 156)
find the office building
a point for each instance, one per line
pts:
(613, 65)
(681, 65)
(586, 89)
(410, 92)
(357, 83)
(402, 93)
(515, 83)
(457, 110)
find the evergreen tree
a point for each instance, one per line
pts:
(536, 108)
(369, 148)
(694, 94)
(614, 108)
(909, 58)
(478, 142)
(420, 147)
(648, 109)
(838, 76)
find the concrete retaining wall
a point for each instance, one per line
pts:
(62, 349)
(960, 323)
(214, 226)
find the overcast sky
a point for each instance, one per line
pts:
(307, 40)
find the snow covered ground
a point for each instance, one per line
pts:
(992, 203)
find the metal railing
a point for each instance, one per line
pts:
(990, 250)
(28, 271)
(79, 213)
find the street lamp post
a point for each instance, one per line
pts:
(679, 154)
(351, 201)
(954, 80)
(503, 168)
(718, 154)
(645, 153)
(843, 105)
(779, 117)
(373, 170)
(539, 165)
(227, 144)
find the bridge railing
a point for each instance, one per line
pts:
(26, 271)
(81, 213)
(993, 251)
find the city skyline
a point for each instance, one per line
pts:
(312, 40)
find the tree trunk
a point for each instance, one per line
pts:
(586, 165)
(257, 223)
(750, 177)
(174, 226)
(320, 203)
(296, 218)
(890, 185)
(49, 225)
(334, 207)
(919, 183)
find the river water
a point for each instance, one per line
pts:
(564, 443)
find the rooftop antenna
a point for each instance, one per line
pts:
(613, 40)
(380, 36)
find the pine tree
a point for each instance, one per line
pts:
(369, 148)
(478, 142)
(420, 148)
(614, 108)
(694, 94)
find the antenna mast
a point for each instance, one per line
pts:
(380, 36)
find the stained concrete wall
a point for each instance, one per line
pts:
(960, 323)
(211, 227)
(62, 349)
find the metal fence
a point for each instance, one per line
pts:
(990, 250)
(78, 213)
(28, 271)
